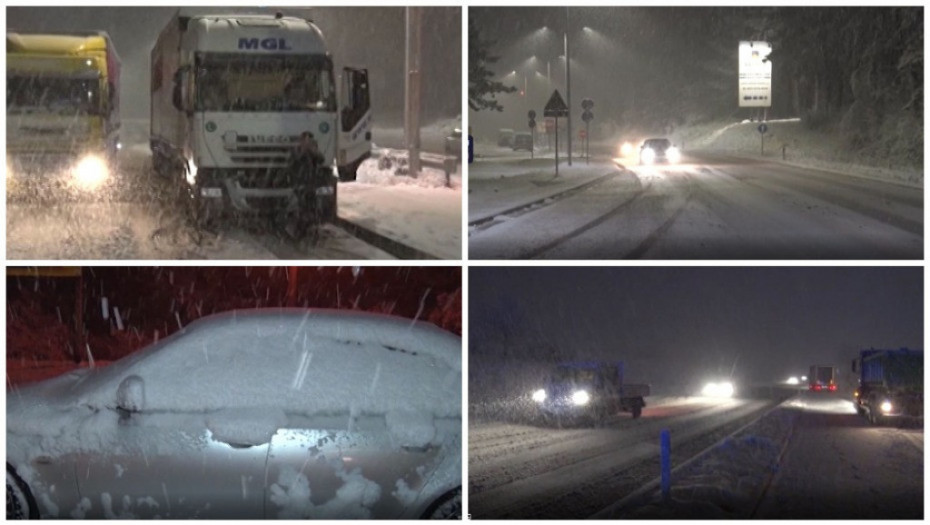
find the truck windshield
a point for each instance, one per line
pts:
(57, 95)
(565, 374)
(231, 82)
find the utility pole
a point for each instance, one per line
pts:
(414, 40)
(568, 88)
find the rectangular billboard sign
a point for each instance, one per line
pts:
(755, 74)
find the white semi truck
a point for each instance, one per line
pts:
(231, 97)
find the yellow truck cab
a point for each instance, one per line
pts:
(62, 126)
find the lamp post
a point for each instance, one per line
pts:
(568, 87)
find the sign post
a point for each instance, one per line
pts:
(532, 117)
(556, 108)
(762, 129)
(587, 116)
(755, 74)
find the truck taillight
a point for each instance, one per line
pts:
(832, 388)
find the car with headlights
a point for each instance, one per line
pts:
(591, 390)
(523, 141)
(251, 414)
(658, 150)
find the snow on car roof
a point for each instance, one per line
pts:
(298, 360)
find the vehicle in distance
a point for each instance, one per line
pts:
(590, 390)
(658, 150)
(505, 138)
(252, 414)
(891, 384)
(62, 113)
(822, 379)
(523, 141)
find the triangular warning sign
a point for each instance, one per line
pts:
(556, 106)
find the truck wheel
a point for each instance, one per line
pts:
(637, 410)
(20, 503)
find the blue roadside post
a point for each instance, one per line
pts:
(471, 149)
(665, 447)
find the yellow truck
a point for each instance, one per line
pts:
(62, 112)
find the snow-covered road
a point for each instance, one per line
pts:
(138, 220)
(709, 207)
(541, 471)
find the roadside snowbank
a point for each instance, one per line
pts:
(802, 147)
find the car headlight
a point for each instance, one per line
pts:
(672, 154)
(90, 172)
(647, 155)
(580, 397)
(626, 149)
(886, 406)
(718, 390)
(539, 396)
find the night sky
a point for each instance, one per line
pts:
(371, 37)
(673, 324)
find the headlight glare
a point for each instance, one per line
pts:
(886, 406)
(673, 154)
(90, 172)
(580, 397)
(539, 396)
(647, 155)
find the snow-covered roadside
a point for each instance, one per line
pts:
(807, 458)
(423, 212)
(803, 147)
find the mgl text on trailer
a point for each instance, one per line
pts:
(62, 111)
(231, 95)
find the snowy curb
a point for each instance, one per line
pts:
(490, 216)
(702, 488)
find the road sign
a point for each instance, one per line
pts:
(556, 106)
(762, 128)
(755, 75)
(531, 114)
(550, 125)
(587, 116)
(582, 133)
(532, 124)
(587, 104)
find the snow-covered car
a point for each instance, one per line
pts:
(279, 413)
(654, 151)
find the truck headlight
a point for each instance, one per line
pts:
(647, 156)
(718, 390)
(886, 406)
(580, 397)
(90, 172)
(539, 396)
(673, 155)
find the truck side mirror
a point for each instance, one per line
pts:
(179, 95)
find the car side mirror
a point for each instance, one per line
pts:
(130, 395)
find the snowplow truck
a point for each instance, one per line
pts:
(822, 379)
(62, 112)
(590, 390)
(231, 97)
(890, 384)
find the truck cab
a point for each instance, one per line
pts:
(63, 119)
(592, 390)
(231, 97)
(890, 384)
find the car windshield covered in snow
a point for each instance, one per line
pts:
(247, 415)
(231, 82)
(40, 94)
